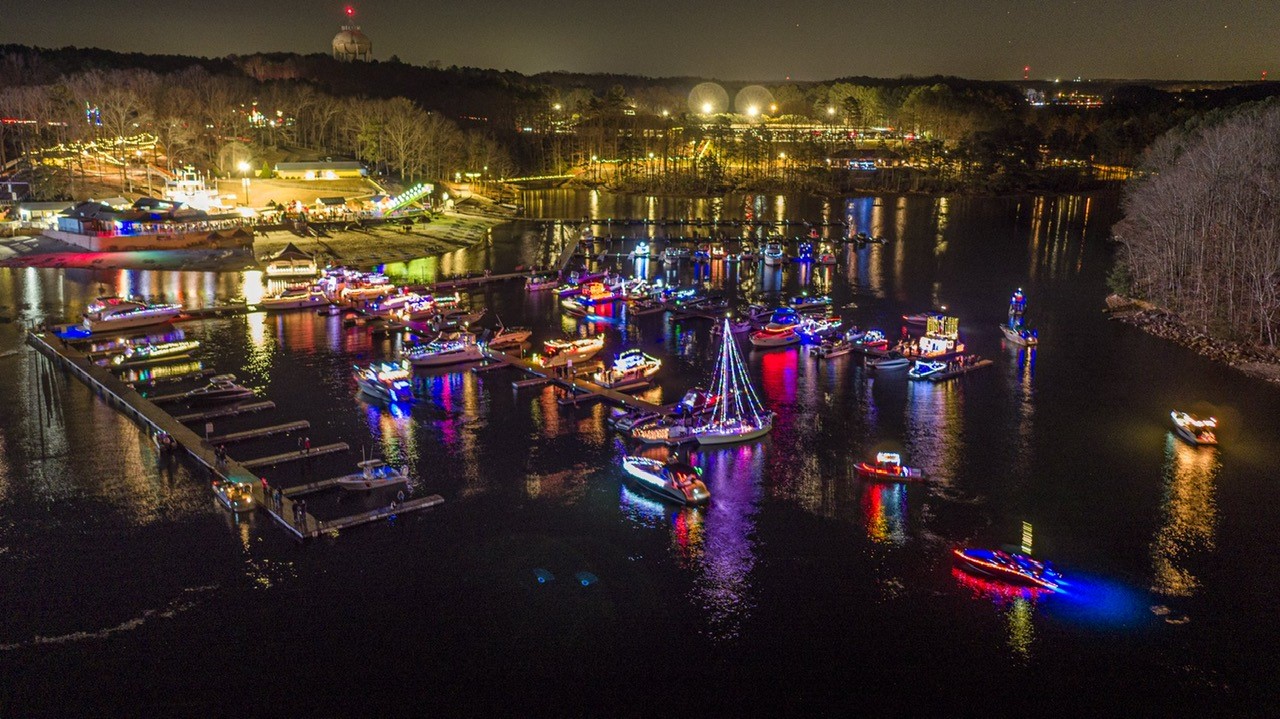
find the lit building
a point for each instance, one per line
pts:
(326, 170)
(150, 224)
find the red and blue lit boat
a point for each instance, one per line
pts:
(1008, 567)
(888, 468)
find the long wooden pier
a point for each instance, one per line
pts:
(373, 515)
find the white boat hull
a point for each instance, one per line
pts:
(125, 323)
(1018, 339)
(471, 353)
(715, 437)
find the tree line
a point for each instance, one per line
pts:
(1201, 228)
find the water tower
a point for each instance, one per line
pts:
(350, 44)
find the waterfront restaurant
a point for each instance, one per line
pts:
(150, 224)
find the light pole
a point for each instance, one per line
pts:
(243, 165)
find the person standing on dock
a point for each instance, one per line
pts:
(306, 445)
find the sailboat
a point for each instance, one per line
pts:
(738, 415)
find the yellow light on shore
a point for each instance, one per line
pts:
(707, 108)
(753, 111)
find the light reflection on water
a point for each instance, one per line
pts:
(1188, 516)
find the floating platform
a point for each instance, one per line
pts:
(249, 434)
(374, 515)
(543, 375)
(943, 376)
(284, 457)
(232, 411)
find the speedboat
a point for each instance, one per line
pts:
(559, 353)
(1009, 567)
(893, 360)
(235, 496)
(117, 313)
(631, 369)
(445, 350)
(628, 421)
(774, 255)
(386, 381)
(540, 282)
(831, 348)
(509, 337)
(1015, 329)
(373, 474)
(1194, 430)
(919, 318)
(924, 369)
(218, 391)
(675, 481)
(805, 303)
(293, 298)
(888, 468)
(1020, 336)
(453, 320)
(774, 337)
(814, 330)
(136, 355)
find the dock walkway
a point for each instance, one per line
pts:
(580, 387)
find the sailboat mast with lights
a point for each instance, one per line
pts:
(738, 415)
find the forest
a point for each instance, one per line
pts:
(1201, 229)
(64, 108)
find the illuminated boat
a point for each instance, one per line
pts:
(738, 415)
(805, 252)
(631, 369)
(814, 330)
(293, 298)
(235, 496)
(888, 468)
(627, 421)
(675, 254)
(419, 308)
(926, 368)
(154, 353)
(1015, 329)
(537, 283)
(774, 337)
(673, 481)
(702, 254)
(558, 353)
(832, 347)
(717, 251)
(386, 381)
(1009, 567)
(594, 293)
(826, 256)
(453, 320)
(871, 339)
(394, 304)
(774, 255)
(893, 360)
(806, 303)
(106, 314)
(662, 432)
(445, 350)
(218, 391)
(919, 318)
(509, 336)
(736, 326)
(1194, 430)
(641, 251)
(373, 474)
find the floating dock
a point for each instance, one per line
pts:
(966, 369)
(284, 457)
(231, 411)
(249, 434)
(581, 388)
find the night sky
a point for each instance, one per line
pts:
(750, 39)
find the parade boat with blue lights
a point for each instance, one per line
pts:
(888, 467)
(673, 481)
(447, 349)
(373, 474)
(702, 254)
(218, 391)
(924, 369)
(294, 298)
(537, 283)
(1015, 329)
(814, 330)
(774, 255)
(386, 381)
(738, 414)
(633, 368)
(558, 353)
(1009, 567)
(138, 355)
(107, 314)
(1194, 430)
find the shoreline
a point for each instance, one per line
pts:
(1257, 362)
(363, 248)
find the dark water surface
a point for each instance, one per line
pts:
(128, 591)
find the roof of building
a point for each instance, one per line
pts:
(291, 252)
(319, 165)
(45, 206)
(331, 201)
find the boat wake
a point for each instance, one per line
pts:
(188, 600)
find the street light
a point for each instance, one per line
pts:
(753, 111)
(707, 108)
(243, 166)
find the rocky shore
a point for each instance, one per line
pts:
(1260, 362)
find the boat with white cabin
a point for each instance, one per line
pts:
(674, 481)
(558, 353)
(108, 314)
(633, 368)
(447, 349)
(385, 381)
(373, 474)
